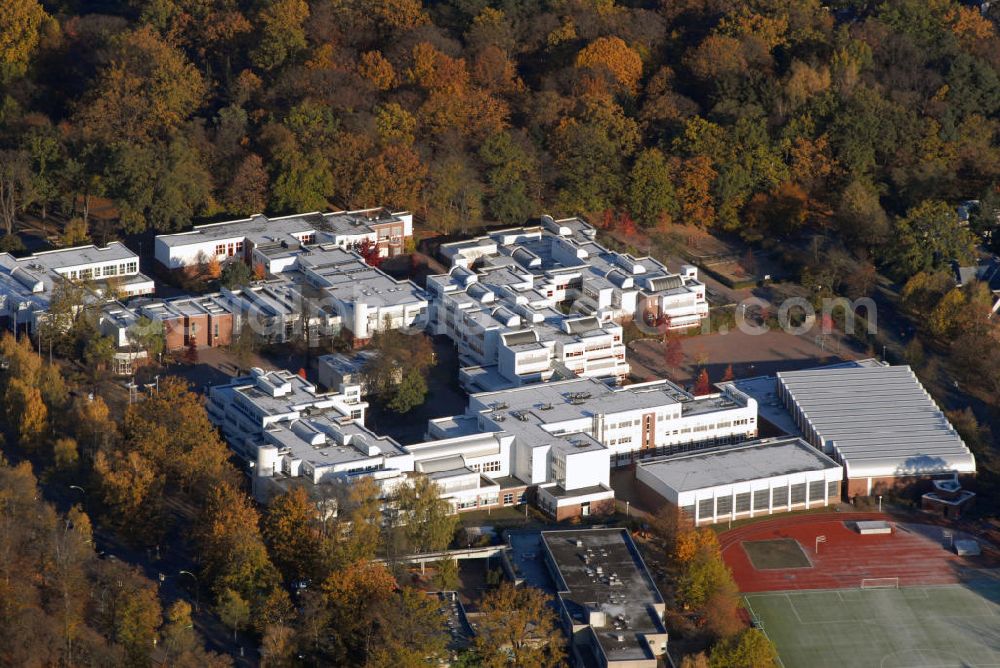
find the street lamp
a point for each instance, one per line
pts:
(197, 589)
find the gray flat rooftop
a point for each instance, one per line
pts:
(623, 589)
(880, 421)
(767, 458)
(73, 257)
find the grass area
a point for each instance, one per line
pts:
(776, 554)
(954, 625)
(723, 527)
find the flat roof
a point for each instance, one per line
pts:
(623, 589)
(755, 460)
(879, 420)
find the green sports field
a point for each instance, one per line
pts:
(913, 627)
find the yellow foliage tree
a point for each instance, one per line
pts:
(377, 69)
(26, 409)
(20, 21)
(613, 55)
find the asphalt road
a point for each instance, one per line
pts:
(169, 560)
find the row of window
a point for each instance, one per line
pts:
(229, 249)
(105, 271)
(487, 467)
(762, 498)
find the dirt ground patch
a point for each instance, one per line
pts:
(749, 355)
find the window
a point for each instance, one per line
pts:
(833, 489)
(194, 328)
(816, 490)
(761, 499)
(86, 274)
(216, 330)
(220, 249)
(724, 505)
(743, 502)
(508, 499)
(780, 496)
(799, 493)
(239, 246)
(110, 270)
(705, 507)
(133, 267)
(356, 415)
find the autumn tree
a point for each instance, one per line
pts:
(612, 56)
(291, 533)
(695, 177)
(354, 533)
(354, 594)
(702, 385)
(20, 28)
(751, 649)
(233, 554)
(28, 412)
(131, 492)
(172, 429)
(517, 625)
(147, 89)
(246, 193)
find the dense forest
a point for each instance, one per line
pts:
(858, 118)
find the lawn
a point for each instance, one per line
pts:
(941, 626)
(776, 554)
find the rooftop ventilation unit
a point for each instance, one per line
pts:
(545, 407)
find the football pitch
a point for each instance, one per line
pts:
(911, 627)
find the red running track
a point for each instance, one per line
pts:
(846, 557)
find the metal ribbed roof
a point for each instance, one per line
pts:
(879, 421)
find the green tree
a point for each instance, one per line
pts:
(651, 198)
(860, 216)
(410, 392)
(282, 34)
(590, 151)
(17, 187)
(454, 196)
(236, 274)
(421, 520)
(512, 170)
(99, 353)
(233, 611)
(302, 183)
(928, 237)
(183, 189)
